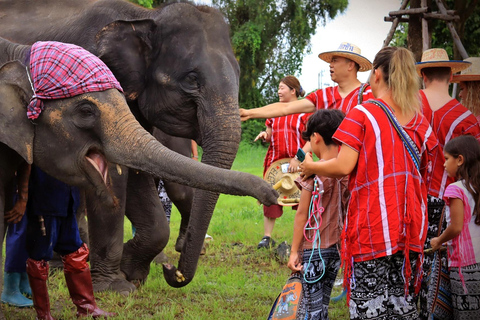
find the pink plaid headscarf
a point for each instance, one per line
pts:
(62, 70)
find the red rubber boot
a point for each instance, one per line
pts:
(37, 272)
(79, 283)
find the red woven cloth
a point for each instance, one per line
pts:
(61, 70)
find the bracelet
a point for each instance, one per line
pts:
(196, 157)
(296, 158)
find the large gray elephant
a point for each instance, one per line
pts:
(179, 74)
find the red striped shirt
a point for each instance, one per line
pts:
(448, 122)
(387, 208)
(286, 137)
(329, 98)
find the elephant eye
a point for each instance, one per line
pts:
(85, 115)
(86, 110)
(191, 81)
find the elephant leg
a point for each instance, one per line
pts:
(105, 229)
(145, 211)
(182, 197)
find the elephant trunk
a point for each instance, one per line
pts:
(135, 148)
(220, 154)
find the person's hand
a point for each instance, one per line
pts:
(263, 135)
(17, 212)
(435, 243)
(294, 165)
(294, 263)
(306, 167)
(244, 114)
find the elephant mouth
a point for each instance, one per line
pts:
(98, 161)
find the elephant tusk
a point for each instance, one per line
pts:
(119, 170)
(180, 277)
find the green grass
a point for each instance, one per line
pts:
(234, 280)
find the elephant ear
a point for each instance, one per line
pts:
(126, 48)
(16, 131)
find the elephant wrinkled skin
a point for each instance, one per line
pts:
(179, 74)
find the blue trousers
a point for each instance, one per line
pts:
(62, 236)
(15, 246)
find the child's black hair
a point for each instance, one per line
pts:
(325, 122)
(469, 148)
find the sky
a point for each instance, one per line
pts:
(361, 24)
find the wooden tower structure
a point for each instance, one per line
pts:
(425, 13)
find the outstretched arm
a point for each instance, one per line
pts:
(278, 109)
(337, 167)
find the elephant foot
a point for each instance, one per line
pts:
(161, 258)
(121, 286)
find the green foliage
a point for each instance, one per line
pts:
(144, 3)
(400, 36)
(467, 28)
(251, 128)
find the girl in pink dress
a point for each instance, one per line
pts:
(462, 161)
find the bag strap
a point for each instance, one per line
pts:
(407, 141)
(361, 91)
(442, 216)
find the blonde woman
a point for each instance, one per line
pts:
(385, 228)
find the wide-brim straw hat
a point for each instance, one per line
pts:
(438, 58)
(472, 73)
(349, 51)
(284, 183)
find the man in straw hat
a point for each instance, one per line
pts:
(448, 119)
(345, 63)
(469, 82)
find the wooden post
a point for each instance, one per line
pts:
(394, 25)
(455, 36)
(425, 35)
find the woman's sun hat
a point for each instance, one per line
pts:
(438, 58)
(283, 182)
(472, 73)
(349, 51)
